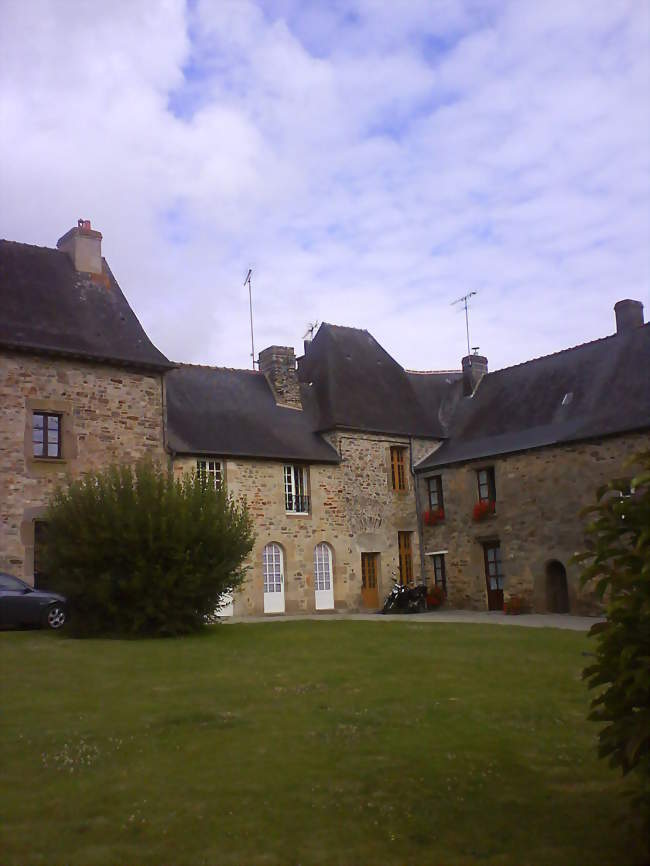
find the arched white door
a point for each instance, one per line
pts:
(323, 582)
(273, 570)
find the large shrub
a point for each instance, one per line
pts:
(618, 568)
(139, 553)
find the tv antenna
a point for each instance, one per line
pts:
(465, 302)
(250, 307)
(311, 327)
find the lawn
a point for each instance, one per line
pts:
(305, 743)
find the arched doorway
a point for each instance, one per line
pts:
(557, 590)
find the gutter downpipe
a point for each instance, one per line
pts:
(418, 509)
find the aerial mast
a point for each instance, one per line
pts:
(465, 301)
(250, 307)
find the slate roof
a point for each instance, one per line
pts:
(357, 385)
(593, 390)
(47, 306)
(220, 411)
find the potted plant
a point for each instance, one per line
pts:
(435, 515)
(514, 605)
(435, 597)
(483, 509)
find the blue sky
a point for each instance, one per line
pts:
(371, 161)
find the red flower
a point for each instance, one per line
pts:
(432, 517)
(482, 509)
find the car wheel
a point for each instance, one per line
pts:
(56, 616)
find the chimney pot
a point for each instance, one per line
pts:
(84, 246)
(474, 368)
(629, 315)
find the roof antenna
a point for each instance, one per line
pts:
(465, 301)
(250, 307)
(311, 327)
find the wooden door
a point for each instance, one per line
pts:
(493, 575)
(405, 557)
(369, 574)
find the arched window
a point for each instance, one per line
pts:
(322, 567)
(272, 567)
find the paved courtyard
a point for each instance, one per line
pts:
(531, 620)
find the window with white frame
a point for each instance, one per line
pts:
(272, 567)
(210, 470)
(322, 567)
(296, 498)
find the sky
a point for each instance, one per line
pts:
(370, 160)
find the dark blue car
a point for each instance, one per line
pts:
(22, 605)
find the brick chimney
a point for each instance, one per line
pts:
(84, 246)
(474, 368)
(278, 363)
(629, 315)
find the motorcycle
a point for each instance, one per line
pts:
(405, 599)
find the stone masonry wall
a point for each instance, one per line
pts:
(353, 509)
(539, 495)
(109, 414)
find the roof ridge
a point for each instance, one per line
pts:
(562, 351)
(430, 372)
(217, 367)
(32, 246)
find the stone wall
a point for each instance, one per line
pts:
(109, 414)
(352, 508)
(539, 495)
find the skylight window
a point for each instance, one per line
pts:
(568, 397)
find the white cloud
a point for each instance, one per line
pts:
(371, 161)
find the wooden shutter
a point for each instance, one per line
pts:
(398, 473)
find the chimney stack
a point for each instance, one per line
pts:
(474, 368)
(278, 363)
(84, 246)
(629, 315)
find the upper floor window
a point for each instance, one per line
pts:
(397, 466)
(435, 493)
(487, 491)
(46, 434)
(296, 498)
(210, 470)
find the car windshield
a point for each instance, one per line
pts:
(8, 581)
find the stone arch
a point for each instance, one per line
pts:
(557, 587)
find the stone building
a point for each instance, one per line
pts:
(81, 384)
(525, 450)
(356, 471)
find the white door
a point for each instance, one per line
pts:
(226, 605)
(323, 583)
(273, 570)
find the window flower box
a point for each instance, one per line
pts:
(435, 597)
(483, 509)
(432, 517)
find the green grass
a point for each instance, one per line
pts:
(305, 743)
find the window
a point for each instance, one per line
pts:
(493, 574)
(435, 493)
(46, 434)
(296, 499)
(322, 567)
(210, 470)
(272, 568)
(398, 473)
(439, 573)
(487, 491)
(405, 557)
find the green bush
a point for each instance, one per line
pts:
(618, 568)
(138, 553)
